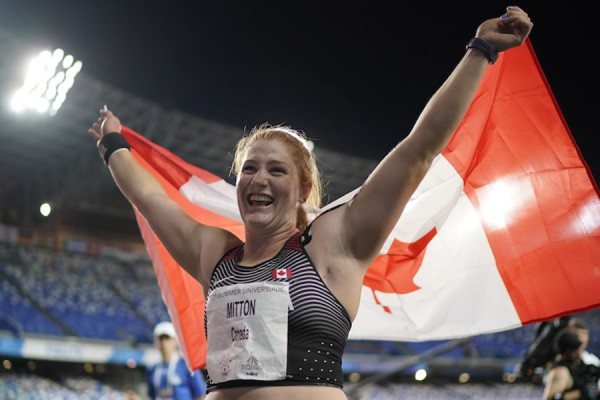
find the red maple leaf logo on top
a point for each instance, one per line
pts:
(283, 273)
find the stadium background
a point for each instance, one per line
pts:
(78, 296)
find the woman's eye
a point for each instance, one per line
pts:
(277, 171)
(248, 169)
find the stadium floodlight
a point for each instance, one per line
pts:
(49, 77)
(45, 209)
(420, 374)
(464, 377)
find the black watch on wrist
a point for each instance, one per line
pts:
(487, 48)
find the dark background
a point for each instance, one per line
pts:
(353, 76)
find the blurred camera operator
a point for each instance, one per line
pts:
(580, 328)
(570, 378)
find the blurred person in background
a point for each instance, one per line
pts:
(170, 378)
(581, 329)
(569, 377)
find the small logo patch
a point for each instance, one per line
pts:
(283, 273)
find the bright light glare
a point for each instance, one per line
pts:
(49, 77)
(588, 221)
(499, 202)
(420, 374)
(45, 209)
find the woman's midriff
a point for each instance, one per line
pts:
(278, 393)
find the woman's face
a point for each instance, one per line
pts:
(268, 186)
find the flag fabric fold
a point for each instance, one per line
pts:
(503, 231)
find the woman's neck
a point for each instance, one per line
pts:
(261, 246)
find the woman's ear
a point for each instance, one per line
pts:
(306, 188)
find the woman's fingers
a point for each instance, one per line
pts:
(95, 131)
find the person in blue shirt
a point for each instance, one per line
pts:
(170, 379)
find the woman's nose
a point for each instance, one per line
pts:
(260, 178)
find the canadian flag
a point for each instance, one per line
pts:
(503, 231)
(283, 273)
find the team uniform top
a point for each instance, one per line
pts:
(317, 323)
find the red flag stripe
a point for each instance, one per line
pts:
(525, 143)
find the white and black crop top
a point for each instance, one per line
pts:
(318, 324)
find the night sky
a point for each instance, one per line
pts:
(353, 77)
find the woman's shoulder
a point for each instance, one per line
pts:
(216, 245)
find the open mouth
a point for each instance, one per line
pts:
(260, 200)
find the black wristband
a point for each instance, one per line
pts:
(488, 49)
(110, 143)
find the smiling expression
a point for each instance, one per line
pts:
(268, 185)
